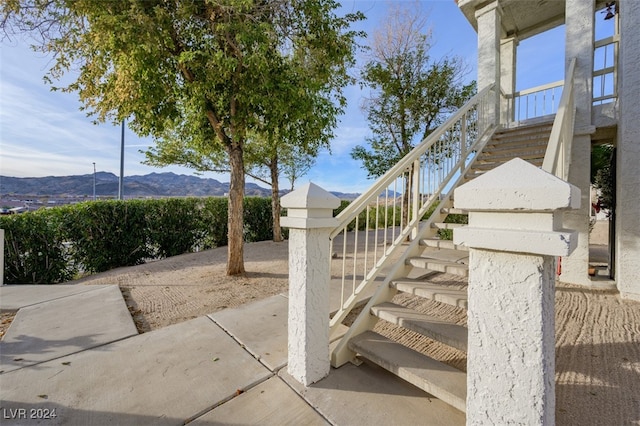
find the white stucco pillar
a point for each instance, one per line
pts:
(507, 77)
(579, 26)
(513, 235)
(310, 220)
(489, 20)
(628, 154)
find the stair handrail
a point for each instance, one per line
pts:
(470, 124)
(557, 158)
(355, 207)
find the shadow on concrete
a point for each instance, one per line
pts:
(23, 350)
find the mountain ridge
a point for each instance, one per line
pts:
(163, 184)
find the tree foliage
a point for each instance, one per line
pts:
(410, 93)
(603, 175)
(203, 73)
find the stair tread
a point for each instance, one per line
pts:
(492, 158)
(450, 334)
(454, 268)
(480, 169)
(447, 255)
(522, 143)
(452, 210)
(524, 130)
(442, 225)
(442, 244)
(518, 138)
(514, 151)
(492, 163)
(433, 291)
(432, 376)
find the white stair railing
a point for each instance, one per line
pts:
(373, 227)
(558, 154)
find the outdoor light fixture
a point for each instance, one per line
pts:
(612, 9)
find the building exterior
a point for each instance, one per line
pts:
(518, 163)
(605, 100)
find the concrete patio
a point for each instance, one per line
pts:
(73, 352)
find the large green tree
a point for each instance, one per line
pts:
(410, 94)
(288, 148)
(267, 159)
(212, 71)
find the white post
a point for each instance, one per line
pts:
(489, 19)
(580, 27)
(310, 221)
(514, 210)
(508, 56)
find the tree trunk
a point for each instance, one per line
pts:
(275, 200)
(235, 260)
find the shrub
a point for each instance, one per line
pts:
(50, 246)
(258, 223)
(213, 222)
(447, 234)
(34, 250)
(174, 226)
(108, 234)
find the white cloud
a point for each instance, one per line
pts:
(346, 138)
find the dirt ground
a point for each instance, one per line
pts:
(192, 285)
(597, 333)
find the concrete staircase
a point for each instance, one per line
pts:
(440, 256)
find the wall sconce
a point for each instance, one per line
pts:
(611, 10)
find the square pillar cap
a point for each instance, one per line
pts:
(517, 186)
(310, 196)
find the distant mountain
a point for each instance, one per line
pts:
(151, 185)
(154, 185)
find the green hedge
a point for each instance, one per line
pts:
(175, 225)
(52, 245)
(108, 234)
(34, 249)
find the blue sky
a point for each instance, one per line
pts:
(43, 133)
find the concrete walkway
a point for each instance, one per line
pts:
(72, 356)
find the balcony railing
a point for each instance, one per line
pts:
(605, 70)
(535, 102)
(544, 100)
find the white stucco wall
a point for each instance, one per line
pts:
(628, 154)
(579, 45)
(511, 352)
